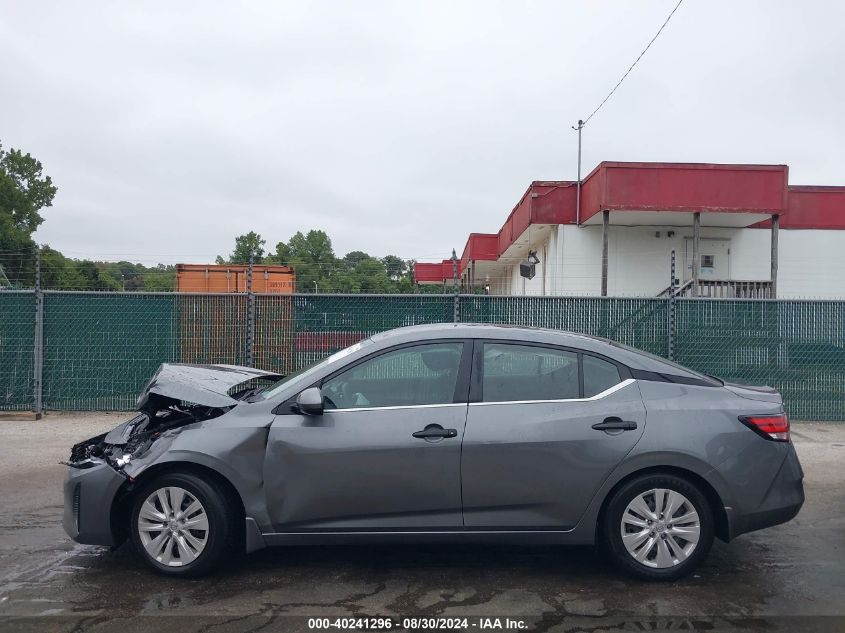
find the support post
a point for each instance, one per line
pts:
(250, 316)
(671, 311)
(696, 253)
(456, 300)
(605, 230)
(38, 342)
(775, 229)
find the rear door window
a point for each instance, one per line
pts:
(513, 372)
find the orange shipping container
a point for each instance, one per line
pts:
(221, 278)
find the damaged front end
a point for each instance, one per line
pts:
(135, 437)
(176, 397)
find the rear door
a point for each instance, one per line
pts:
(532, 455)
(386, 452)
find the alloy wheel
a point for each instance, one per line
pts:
(660, 528)
(173, 526)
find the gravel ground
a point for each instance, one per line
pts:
(790, 577)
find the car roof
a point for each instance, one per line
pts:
(634, 358)
(483, 330)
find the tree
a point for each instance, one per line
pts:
(94, 276)
(352, 259)
(396, 267)
(246, 246)
(160, 279)
(318, 269)
(313, 260)
(59, 272)
(31, 189)
(24, 191)
(282, 255)
(371, 276)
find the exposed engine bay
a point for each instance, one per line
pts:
(176, 396)
(134, 437)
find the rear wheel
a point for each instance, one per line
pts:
(183, 525)
(658, 527)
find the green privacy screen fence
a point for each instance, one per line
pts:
(99, 349)
(17, 340)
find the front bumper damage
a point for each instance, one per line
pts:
(88, 492)
(103, 469)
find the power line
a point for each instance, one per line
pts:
(627, 72)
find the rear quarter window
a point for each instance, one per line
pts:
(599, 375)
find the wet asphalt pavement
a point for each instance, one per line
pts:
(789, 578)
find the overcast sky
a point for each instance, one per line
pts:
(397, 127)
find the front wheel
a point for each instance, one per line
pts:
(183, 525)
(658, 527)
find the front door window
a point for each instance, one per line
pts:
(410, 376)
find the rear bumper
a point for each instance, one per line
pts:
(782, 501)
(89, 494)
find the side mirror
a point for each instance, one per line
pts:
(310, 401)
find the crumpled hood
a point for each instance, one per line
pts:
(206, 385)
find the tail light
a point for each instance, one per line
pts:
(772, 427)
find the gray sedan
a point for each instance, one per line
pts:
(434, 434)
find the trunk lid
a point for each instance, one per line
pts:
(762, 393)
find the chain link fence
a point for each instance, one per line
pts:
(100, 349)
(640, 322)
(798, 347)
(17, 350)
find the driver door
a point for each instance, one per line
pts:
(385, 454)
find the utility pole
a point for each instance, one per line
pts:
(578, 129)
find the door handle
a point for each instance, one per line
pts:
(615, 424)
(435, 431)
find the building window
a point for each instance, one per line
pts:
(708, 261)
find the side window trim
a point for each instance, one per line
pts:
(580, 374)
(399, 407)
(618, 386)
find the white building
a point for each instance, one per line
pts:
(752, 234)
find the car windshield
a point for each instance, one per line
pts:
(308, 370)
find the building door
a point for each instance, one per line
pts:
(715, 255)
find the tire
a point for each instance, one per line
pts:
(658, 550)
(194, 539)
